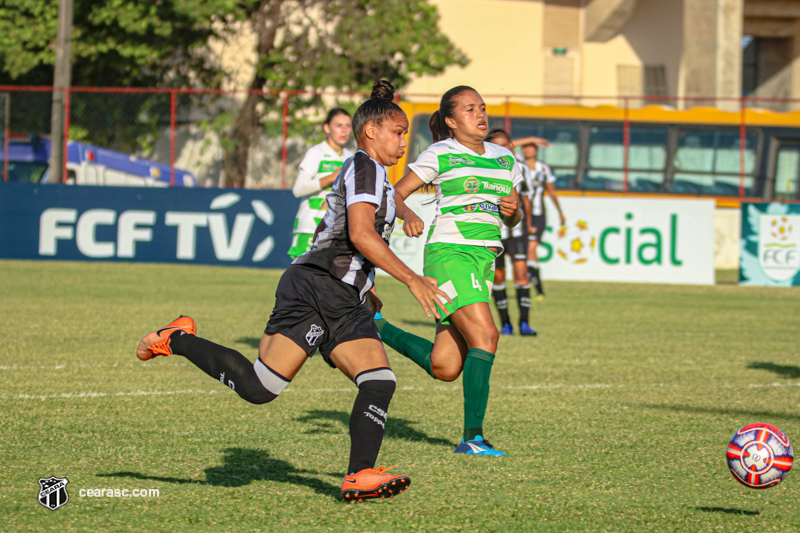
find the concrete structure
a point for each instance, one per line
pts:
(583, 48)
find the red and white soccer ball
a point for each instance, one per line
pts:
(760, 456)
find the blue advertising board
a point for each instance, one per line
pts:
(239, 227)
(770, 250)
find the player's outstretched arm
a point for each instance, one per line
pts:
(551, 191)
(413, 226)
(538, 141)
(361, 224)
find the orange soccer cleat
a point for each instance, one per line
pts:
(373, 483)
(157, 342)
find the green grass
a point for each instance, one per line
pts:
(615, 418)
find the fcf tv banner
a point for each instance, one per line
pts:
(146, 224)
(770, 250)
(610, 239)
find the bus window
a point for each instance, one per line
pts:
(561, 157)
(787, 172)
(708, 162)
(647, 157)
(419, 138)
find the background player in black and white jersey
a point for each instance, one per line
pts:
(320, 302)
(542, 180)
(515, 244)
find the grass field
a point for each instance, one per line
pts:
(615, 418)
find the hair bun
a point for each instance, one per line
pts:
(383, 89)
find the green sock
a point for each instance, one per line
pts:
(415, 348)
(477, 371)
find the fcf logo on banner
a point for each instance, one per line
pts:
(770, 246)
(779, 245)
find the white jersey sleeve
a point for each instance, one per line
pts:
(548, 172)
(426, 166)
(307, 181)
(305, 184)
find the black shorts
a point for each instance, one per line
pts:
(517, 247)
(318, 311)
(539, 222)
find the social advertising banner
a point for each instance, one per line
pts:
(770, 248)
(141, 224)
(609, 239)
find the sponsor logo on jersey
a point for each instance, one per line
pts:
(329, 166)
(483, 206)
(497, 187)
(314, 334)
(461, 161)
(472, 185)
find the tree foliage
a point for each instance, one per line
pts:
(125, 43)
(310, 45)
(300, 45)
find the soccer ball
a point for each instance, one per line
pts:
(759, 456)
(575, 244)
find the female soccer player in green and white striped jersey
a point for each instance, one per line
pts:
(476, 193)
(318, 171)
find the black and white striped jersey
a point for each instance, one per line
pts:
(362, 179)
(540, 176)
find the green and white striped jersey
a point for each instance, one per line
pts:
(468, 190)
(319, 161)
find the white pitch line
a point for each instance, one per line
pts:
(101, 365)
(78, 395)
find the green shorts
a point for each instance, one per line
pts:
(464, 272)
(301, 243)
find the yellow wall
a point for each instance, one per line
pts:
(652, 36)
(502, 38)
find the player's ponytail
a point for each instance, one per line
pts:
(378, 106)
(439, 128)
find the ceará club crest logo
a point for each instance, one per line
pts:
(53, 492)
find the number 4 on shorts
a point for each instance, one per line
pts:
(475, 283)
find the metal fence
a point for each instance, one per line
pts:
(192, 129)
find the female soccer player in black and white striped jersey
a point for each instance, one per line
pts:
(320, 302)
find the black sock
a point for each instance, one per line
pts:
(535, 277)
(501, 301)
(524, 301)
(230, 367)
(368, 419)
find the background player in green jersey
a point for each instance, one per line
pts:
(318, 171)
(475, 185)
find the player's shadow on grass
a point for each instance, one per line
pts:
(424, 323)
(722, 411)
(787, 371)
(252, 342)
(728, 510)
(396, 428)
(241, 467)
